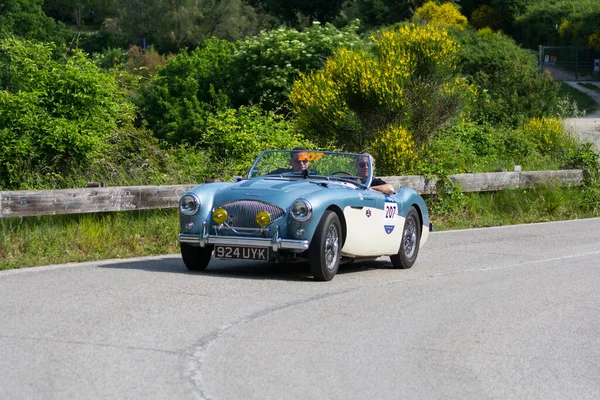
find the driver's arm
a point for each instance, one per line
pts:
(382, 186)
(386, 188)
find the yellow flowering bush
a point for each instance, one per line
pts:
(446, 14)
(394, 150)
(406, 79)
(549, 135)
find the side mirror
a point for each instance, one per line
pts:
(237, 178)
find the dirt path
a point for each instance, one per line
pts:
(588, 127)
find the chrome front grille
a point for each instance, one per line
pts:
(242, 213)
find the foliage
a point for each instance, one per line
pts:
(79, 12)
(485, 16)
(557, 22)
(259, 70)
(549, 136)
(106, 37)
(25, 18)
(266, 65)
(190, 87)
(291, 11)
(55, 116)
(495, 14)
(174, 25)
(394, 150)
(443, 15)
(240, 135)
(406, 80)
(377, 13)
(586, 158)
(511, 87)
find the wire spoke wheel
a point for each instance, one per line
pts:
(325, 247)
(409, 245)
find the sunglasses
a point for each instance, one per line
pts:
(362, 164)
(305, 161)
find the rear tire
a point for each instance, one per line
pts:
(411, 238)
(325, 247)
(196, 258)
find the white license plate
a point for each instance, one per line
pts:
(244, 253)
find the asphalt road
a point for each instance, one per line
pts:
(498, 313)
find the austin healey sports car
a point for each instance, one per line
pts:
(297, 205)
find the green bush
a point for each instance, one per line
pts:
(55, 116)
(25, 19)
(240, 135)
(511, 87)
(266, 65)
(188, 90)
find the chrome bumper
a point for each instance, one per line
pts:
(276, 243)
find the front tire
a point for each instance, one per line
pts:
(411, 238)
(196, 258)
(325, 247)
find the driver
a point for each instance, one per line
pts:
(298, 161)
(362, 170)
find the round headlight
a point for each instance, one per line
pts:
(263, 218)
(189, 204)
(301, 210)
(219, 215)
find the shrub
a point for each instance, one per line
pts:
(190, 87)
(550, 136)
(394, 150)
(240, 135)
(407, 80)
(510, 86)
(444, 15)
(55, 116)
(266, 65)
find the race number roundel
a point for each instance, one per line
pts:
(390, 209)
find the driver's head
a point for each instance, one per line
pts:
(362, 165)
(299, 159)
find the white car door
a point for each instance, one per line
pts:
(374, 227)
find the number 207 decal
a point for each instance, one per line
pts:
(310, 155)
(390, 211)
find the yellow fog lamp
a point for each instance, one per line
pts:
(219, 215)
(263, 218)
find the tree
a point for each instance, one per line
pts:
(290, 11)
(376, 13)
(170, 25)
(25, 18)
(80, 12)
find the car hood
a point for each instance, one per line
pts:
(280, 191)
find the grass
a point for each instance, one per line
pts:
(590, 86)
(47, 240)
(584, 102)
(35, 241)
(517, 206)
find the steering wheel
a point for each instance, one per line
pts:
(341, 172)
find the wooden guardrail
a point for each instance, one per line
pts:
(27, 203)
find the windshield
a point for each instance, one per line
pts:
(355, 168)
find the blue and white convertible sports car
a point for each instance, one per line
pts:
(302, 205)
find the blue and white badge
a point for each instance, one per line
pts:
(390, 209)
